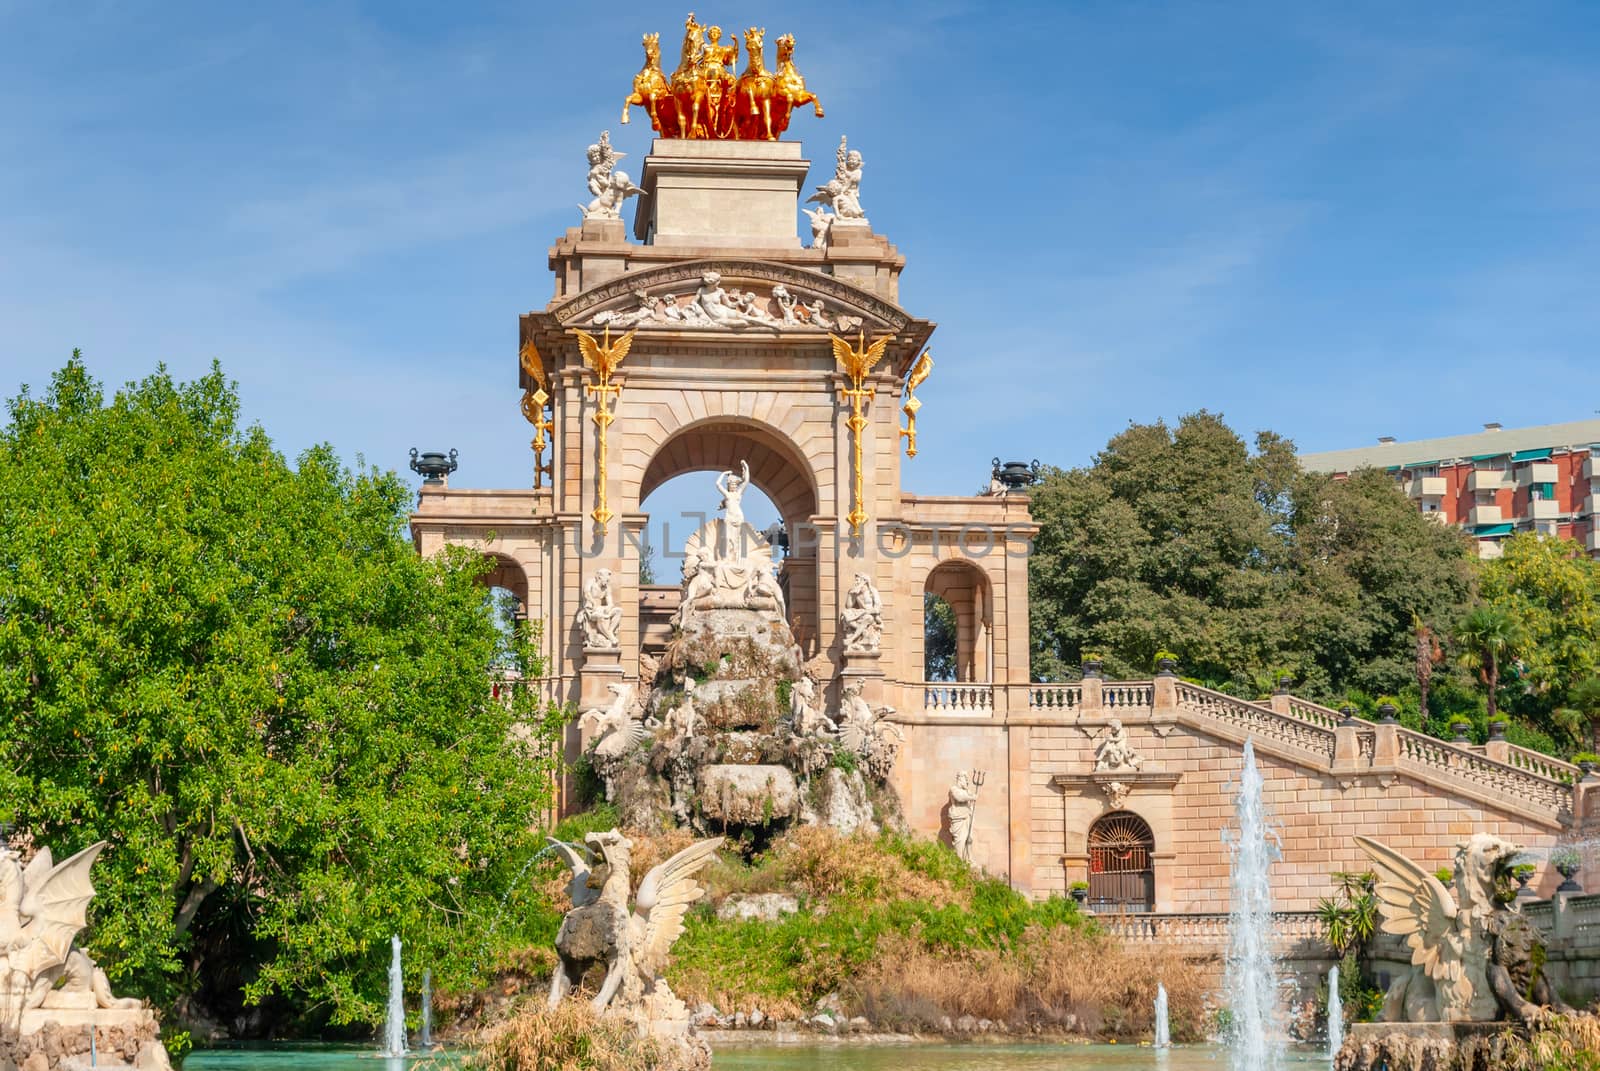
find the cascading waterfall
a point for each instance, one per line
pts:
(1335, 1014)
(425, 1037)
(1256, 1036)
(1163, 1034)
(394, 1023)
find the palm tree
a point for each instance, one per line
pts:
(1427, 654)
(1489, 636)
(1583, 699)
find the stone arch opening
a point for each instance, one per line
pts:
(506, 591)
(965, 590)
(1122, 874)
(780, 471)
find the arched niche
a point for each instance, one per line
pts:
(966, 589)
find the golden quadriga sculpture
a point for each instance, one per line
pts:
(704, 100)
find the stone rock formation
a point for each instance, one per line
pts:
(733, 736)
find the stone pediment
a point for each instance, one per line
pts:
(727, 295)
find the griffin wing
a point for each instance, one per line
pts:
(56, 902)
(581, 861)
(533, 364)
(874, 353)
(589, 346)
(920, 371)
(1414, 905)
(620, 348)
(843, 352)
(664, 899)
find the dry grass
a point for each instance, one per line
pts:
(823, 864)
(1563, 1043)
(1054, 978)
(571, 1038)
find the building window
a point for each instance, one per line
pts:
(1122, 874)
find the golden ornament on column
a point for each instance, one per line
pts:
(602, 359)
(919, 372)
(857, 362)
(535, 404)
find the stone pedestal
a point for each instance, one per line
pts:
(866, 667)
(602, 667)
(721, 194)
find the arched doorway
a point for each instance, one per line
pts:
(957, 611)
(780, 471)
(1122, 875)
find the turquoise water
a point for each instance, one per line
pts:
(829, 1057)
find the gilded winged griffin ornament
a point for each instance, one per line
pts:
(602, 358)
(857, 363)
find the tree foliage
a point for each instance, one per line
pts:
(1237, 560)
(239, 673)
(938, 639)
(1547, 591)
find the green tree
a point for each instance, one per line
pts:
(239, 673)
(1234, 558)
(938, 639)
(1488, 637)
(1550, 589)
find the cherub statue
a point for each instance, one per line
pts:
(609, 187)
(786, 303)
(862, 617)
(633, 945)
(842, 193)
(821, 221)
(600, 616)
(683, 718)
(1115, 752)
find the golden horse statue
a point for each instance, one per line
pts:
(703, 100)
(652, 92)
(791, 91)
(752, 94)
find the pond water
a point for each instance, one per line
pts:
(829, 1057)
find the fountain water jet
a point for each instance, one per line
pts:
(394, 1023)
(1163, 1034)
(1335, 1014)
(425, 1036)
(1256, 1037)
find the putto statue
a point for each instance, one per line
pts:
(862, 617)
(600, 616)
(1474, 954)
(609, 186)
(632, 944)
(704, 100)
(842, 193)
(1115, 752)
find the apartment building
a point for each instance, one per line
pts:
(1496, 481)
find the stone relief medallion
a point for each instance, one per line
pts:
(1116, 794)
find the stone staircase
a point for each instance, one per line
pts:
(1498, 774)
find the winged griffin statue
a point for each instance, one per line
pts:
(42, 908)
(633, 944)
(1473, 953)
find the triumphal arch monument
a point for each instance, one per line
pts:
(748, 326)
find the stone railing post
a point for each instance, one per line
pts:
(1497, 747)
(1346, 737)
(1164, 699)
(1092, 699)
(1280, 697)
(1386, 738)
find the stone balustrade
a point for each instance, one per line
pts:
(1127, 695)
(951, 698)
(1256, 720)
(1054, 696)
(1441, 758)
(1538, 763)
(1188, 928)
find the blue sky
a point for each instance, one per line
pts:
(1336, 221)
